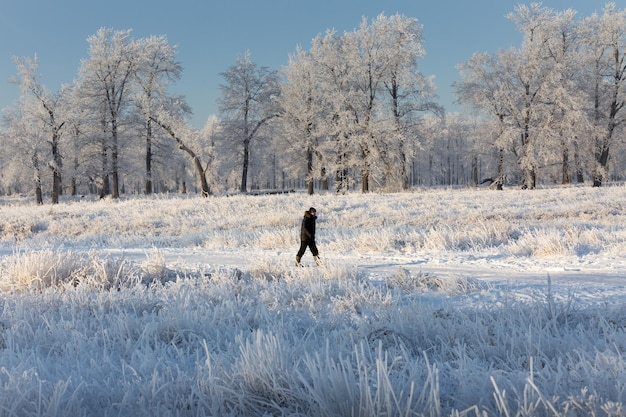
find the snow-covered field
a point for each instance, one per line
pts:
(437, 303)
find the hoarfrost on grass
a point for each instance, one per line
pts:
(428, 303)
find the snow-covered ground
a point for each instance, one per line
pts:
(438, 302)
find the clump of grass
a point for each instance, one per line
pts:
(19, 229)
(40, 269)
(37, 270)
(154, 268)
(403, 279)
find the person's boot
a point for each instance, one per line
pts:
(298, 260)
(317, 260)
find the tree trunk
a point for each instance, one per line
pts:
(38, 192)
(148, 182)
(579, 169)
(404, 174)
(365, 181)
(529, 180)
(56, 169)
(74, 185)
(204, 185)
(341, 174)
(246, 161)
(365, 170)
(309, 170)
(565, 176)
(475, 171)
(56, 187)
(500, 180)
(602, 160)
(115, 187)
(104, 159)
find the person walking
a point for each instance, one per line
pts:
(307, 236)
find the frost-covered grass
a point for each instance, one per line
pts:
(570, 221)
(84, 331)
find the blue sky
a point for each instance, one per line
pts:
(211, 34)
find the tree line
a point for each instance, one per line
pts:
(353, 111)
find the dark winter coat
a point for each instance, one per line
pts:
(307, 231)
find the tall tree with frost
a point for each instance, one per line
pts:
(333, 71)
(300, 110)
(246, 105)
(604, 37)
(156, 69)
(366, 50)
(91, 135)
(485, 86)
(78, 126)
(25, 137)
(566, 119)
(409, 92)
(107, 75)
(529, 71)
(45, 110)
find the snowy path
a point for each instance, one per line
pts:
(589, 279)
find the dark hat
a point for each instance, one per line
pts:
(312, 210)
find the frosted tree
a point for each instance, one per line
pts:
(247, 105)
(23, 139)
(205, 143)
(44, 108)
(370, 53)
(529, 71)
(78, 122)
(155, 70)
(170, 116)
(301, 112)
(329, 54)
(90, 135)
(566, 118)
(604, 37)
(366, 51)
(485, 85)
(106, 77)
(548, 111)
(409, 93)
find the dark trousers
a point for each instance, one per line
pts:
(307, 243)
